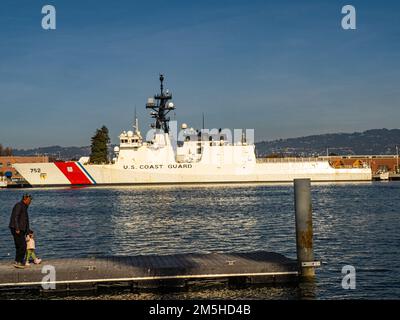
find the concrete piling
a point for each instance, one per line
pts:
(304, 228)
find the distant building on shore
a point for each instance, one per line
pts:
(378, 163)
(6, 164)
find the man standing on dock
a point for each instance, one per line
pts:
(19, 226)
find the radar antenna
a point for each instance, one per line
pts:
(161, 107)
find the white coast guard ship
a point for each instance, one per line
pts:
(201, 158)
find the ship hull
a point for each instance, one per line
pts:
(75, 173)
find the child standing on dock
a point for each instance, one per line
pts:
(30, 249)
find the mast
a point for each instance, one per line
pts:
(135, 124)
(161, 107)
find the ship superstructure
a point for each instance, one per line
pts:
(202, 157)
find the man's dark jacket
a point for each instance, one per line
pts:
(19, 217)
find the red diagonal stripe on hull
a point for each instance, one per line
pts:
(72, 172)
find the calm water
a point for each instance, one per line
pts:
(354, 224)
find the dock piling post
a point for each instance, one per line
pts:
(304, 228)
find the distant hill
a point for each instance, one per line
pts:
(376, 141)
(57, 152)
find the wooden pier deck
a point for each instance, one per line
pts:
(155, 271)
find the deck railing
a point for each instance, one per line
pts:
(279, 160)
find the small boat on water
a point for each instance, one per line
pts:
(198, 157)
(384, 175)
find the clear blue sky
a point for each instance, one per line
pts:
(284, 68)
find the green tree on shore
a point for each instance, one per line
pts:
(99, 146)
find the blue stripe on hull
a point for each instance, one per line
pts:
(87, 173)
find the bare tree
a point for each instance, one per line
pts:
(8, 152)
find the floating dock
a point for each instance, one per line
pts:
(153, 271)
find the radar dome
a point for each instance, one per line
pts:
(130, 133)
(116, 149)
(184, 126)
(171, 105)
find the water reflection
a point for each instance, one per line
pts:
(354, 224)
